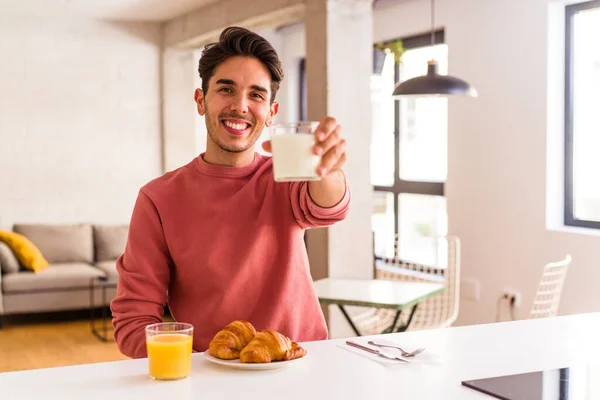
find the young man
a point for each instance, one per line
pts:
(218, 239)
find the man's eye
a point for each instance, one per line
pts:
(257, 95)
(224, 89)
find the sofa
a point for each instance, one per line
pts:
(76, 254)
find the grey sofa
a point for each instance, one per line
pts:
(76, 254)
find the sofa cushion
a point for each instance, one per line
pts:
(8, 260)
(110, 241)
(27, 253)
(108, 267)
(55, 277)
(61, 243)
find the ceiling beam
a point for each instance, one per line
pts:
(204, 25)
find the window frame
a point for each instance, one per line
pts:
(569, 215)
(401, 186)
(302, 108)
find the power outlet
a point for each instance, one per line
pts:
(510, 293)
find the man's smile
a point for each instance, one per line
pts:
(236, 126)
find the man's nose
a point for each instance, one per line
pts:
(240, 104)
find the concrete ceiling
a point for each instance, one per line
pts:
(136, 10)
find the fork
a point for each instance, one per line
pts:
(404, 353)
(374, 351)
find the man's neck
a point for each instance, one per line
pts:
(228, 159)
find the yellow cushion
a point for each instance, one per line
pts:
(26, 252)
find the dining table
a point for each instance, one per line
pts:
(333, 370)
(376, 293)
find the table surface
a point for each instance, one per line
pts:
(332, 372)
(375, 292)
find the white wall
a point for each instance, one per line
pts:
(292, 48)
(180, 134)
(79, 119)
(497, 181)
(276, 39)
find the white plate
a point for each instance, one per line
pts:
(236, 364)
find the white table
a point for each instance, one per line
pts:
(331, 372)
(378, 293)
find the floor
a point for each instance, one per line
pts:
(52, 340)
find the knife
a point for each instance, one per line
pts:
(378, 352)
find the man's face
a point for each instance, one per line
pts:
(237, 104)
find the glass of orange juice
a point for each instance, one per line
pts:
(169, 346)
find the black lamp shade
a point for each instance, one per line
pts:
(434, 84)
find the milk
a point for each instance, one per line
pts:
(293, 157)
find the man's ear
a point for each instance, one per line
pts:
(199, 99)
(272, 113)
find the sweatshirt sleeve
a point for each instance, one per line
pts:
(309, 214)
(144, 271)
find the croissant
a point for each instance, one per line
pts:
(296, 351)
(268, 346)
(229, 341)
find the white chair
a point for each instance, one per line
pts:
(547, 297)
(436, 312)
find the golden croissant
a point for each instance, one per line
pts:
(229, 341)
(268, 346)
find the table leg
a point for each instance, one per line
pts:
(403, 328)
(104, 333)
(349, 320)
(92, 313)
(390, 328)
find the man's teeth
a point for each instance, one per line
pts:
(237, 127)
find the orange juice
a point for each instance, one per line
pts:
(169, 355)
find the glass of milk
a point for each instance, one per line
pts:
(292, 148)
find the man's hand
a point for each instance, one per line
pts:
(331, 146)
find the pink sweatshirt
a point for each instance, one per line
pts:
(225, 243)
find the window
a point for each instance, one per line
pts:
(582, 116)
(409, 159)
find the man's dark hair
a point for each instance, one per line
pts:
(236, 41)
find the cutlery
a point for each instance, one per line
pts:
(404, 353)
(374, 351)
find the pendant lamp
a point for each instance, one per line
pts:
(433, 84)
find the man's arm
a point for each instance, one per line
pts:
(309, 214)
(329, 191)
(331, 146)
(144, 272)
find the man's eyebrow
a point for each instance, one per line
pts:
(226, 82)
(259, 88)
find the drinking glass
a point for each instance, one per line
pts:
(169, 346)
(292, 148)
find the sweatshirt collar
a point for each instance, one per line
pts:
(221, 171)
